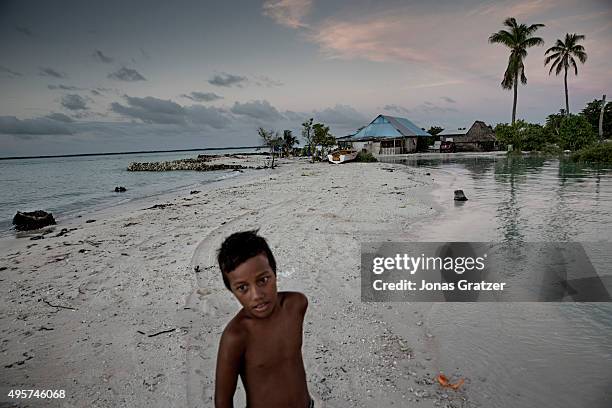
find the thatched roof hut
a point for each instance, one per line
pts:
(479, 137)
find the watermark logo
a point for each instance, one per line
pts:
(481, 271)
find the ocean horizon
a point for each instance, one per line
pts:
(131, 152)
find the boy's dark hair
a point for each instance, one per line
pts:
(238, 248)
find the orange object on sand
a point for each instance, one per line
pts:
(443, 380)
(458, 384)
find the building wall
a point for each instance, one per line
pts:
(407, 145)
(359, 146)
(410, 144)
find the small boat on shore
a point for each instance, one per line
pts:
(342, 156)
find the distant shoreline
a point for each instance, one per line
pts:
(119, 153)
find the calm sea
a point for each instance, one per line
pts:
(524, 354)
(69, 186)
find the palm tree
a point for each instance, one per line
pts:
(562, 55)
(518, 38)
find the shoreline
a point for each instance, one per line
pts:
(114, 202)
(149, 270)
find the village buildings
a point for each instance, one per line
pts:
(389, 135)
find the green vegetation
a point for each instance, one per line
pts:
(424, 143)
(323, 138)
(365, 157)
(575, 132)
(316, 135)
(521, 135)
(308, 136)
(571, 132)
(597, 153)
(591, 113)
(562, 55)
(288, 142)
(518, 38)
(270, 139)
(434, 130)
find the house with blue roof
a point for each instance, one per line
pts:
(386, 135)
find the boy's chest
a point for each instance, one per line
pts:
(271, 345)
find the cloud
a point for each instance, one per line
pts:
(10, 125)
(380, 39)
(531, 7)
(126, 74)
(429, 108)
(50, 72)
(60, 117)
(296, 116)
(10, 72)
(151, 110)
(267, 82)
(397, 109)
(74, 102)
(155, 104)
(439, 83)
(211, 116)
(447, 99)
(166, 112)
(260, 110)
(98, 55)
(290, 13)
(519, 9)
(144, 54)
(224, 79)
(228, 80)
(25, 31)
(202, 96)
(342, 115)
(64, 87)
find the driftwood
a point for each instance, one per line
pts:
(161, 206)
(156, 334)
(58, 306)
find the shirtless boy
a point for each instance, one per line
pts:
(263, 343)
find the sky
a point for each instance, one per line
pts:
(112, 76)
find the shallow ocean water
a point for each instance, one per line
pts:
(67, 186)
(524, 354)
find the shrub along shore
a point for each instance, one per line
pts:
(576, 133)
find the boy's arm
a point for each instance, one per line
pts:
(231, 349)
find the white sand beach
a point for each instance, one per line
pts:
(128, 310)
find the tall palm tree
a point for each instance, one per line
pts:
(518, 38)
(562, 54)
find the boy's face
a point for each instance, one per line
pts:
(254, 284)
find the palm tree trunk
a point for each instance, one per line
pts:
(566, 98)
(515, 93)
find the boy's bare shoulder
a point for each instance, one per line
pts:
(235, 332)
(295, 299)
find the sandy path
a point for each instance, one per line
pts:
(133, 275)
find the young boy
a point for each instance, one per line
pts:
(263, 343)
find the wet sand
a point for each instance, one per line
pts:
(128, 310)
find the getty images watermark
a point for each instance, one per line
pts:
(486, 272)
